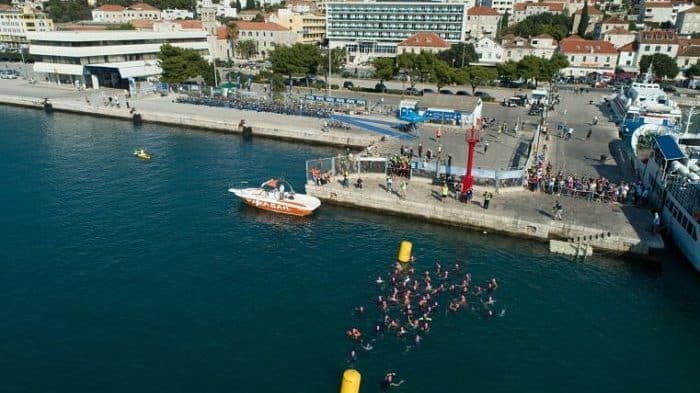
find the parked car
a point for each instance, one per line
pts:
(511, 102)
(426, 91)
(348, 85)
(462, 93)
(446, 91)
(668, 88)
(412, 91)
(7, 75)
(483, 95)
(380, 88)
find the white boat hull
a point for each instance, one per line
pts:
(295, 205)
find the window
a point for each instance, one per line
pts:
(595, 59)
(584, 59)
(668, 49)
(572, 58)
(647, 48)
(658, 48)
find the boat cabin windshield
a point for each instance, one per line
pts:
(274, 184)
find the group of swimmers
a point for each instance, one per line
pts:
(410, 301)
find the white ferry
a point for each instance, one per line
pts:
(644, 103)
(672, 171)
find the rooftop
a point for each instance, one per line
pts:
(658, 5)
(110, 35)
(142, 24)
(617, 30)
(658, 36)
(142, 7)
(222, 33)
(631, 47)
(260, 26)
(190, 24)
(483, 11)
(615, 20)
(591, 11)
(554, 7)
(694, 10)
(576, 44)
(426, 40)
(110, 8)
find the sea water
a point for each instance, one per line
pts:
(119, 275)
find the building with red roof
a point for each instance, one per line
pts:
(265, 35)
(482, 22)
(110, 13)
(587, 56)
(529, 8)
(423, 42)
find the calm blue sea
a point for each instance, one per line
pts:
(118, 275)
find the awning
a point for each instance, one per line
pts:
(669, 148)
(129, 69)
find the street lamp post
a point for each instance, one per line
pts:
(328, 80)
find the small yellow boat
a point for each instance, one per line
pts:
(142, 154)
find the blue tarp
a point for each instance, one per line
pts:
(669, 148)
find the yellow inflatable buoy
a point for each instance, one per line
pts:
(405, 251)
(351, 381)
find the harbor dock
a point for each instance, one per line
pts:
(607, 227)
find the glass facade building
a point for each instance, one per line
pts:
(369, 30)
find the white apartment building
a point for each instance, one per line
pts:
(662, 11)
(609, 24)
(657, 41)
(515, 48)
(688, 21)
(575, 5)
(489, 51)
(482, 22)
(174, 14)
(688, 54)
(265, 35)
(627, 57)
(15, 24)
(110, 13)
(374, 29)
(223, 8)
(502, 6)
(588, 56)
(523, 10)
(106, 58)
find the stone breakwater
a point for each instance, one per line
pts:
(288, 132)
(610, 234)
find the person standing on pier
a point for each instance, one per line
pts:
(389, 183)
(487, 199)
(445, 192)
(420, 150)
(557, 210)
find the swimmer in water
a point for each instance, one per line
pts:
(353, 356)
(379, 280)
(418, 339)
(389, 379)
(402, 332)
(489, 301)
(367, 347)
(360, 310)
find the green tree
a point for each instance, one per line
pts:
(238, 5)
(180, 64)
(459, 55)
(531, 68)
(502, 25)
(384, 68)
(480, 76)
(460, 76)
(247, 48)
(298, 59)
(556, 25)
(508, 70)
(417, 66)
(693, 71)
(259, 17)
(250, 4)
(68, 11)
(583, 23)
(338, 57)
(664, 66)
(441, 74)
(555, 64)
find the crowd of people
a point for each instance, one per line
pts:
(544, 179)
(409, 303)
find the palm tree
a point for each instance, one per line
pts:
(233, 33)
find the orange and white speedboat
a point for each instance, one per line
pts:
(276, 195)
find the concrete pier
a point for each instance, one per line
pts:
(216, 119)
(608, 227)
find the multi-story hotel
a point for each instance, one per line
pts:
(14, 25)
(370, 29)
(106, 58)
